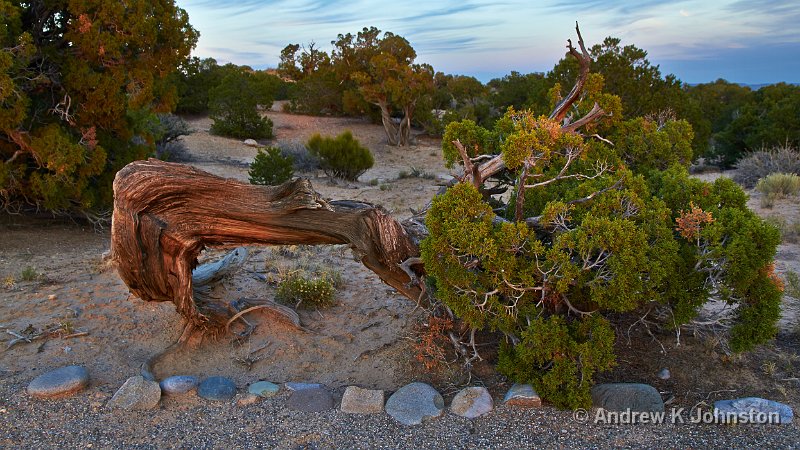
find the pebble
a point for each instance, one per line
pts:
(472, 402)
(247, 399)
(264, 389)
(522, 395)
(179, 384)
(136, 394)
(310, 400)
(752, 410)
(250, 142)
(217, 388)
(61, 382)
(627, 396)
(664, 374)
(362, 401)
(295, 386)
(414, 403)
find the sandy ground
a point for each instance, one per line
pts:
(366, 339)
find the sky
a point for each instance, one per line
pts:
(742, 41)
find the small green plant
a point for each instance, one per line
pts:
(792, 284)
(414, 172)
(342, 156)
(790, 232)
(373, 182)
(386, 187)
(779, 185)
(271, 168)
(307, 291)
(29, 274)
(769, 367)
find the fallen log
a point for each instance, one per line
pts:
(165, 214)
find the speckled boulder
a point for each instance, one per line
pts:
(362, 401)
(414, 403)
(136, 394)
(472, 402)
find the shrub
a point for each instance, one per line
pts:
(304, 161)
(233, 107)
(169, 147)
(602, 231)
(757, 165)
(307, 291)
(779, 185)
(29, 274)
(342, 156)
(270, 167)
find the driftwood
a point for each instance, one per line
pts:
(165, 214)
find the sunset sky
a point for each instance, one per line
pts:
(745, 41)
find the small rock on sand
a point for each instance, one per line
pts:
(60, 382)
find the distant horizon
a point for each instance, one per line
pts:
(752, 42)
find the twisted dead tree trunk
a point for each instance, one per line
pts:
(165, 214)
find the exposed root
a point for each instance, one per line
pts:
(148, 367)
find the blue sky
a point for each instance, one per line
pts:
(745, 41)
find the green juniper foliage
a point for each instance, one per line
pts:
(604, 230)
(271, 168)
(342, 156)
(80, 85)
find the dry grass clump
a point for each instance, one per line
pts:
(777, 186)
(760, 164)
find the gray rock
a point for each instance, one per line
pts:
(217, 388)
(522, 395)
(415, 402)
(362, 401)
(627, 396)
(295, 386)
(250, 143)
(310, 400)
(136, 394)
(664, 374)
(59, 383)
(263, 389)
(752, 410)
(179, 384)
(472, 402)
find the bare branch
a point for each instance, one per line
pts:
(584, 59)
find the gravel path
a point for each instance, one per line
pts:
(82, 421)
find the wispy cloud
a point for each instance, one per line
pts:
(479, 35)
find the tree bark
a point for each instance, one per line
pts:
(165, 214)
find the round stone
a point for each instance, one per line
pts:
(664, 374)
(136, 394)
(59, 383)
(522, 395)
(472, 402)
(263, 389)
(310, 400)
(217, 388)
(179, 384)
(414, 403)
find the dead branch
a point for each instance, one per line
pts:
(584, 59)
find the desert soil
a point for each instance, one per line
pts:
(366, 339)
